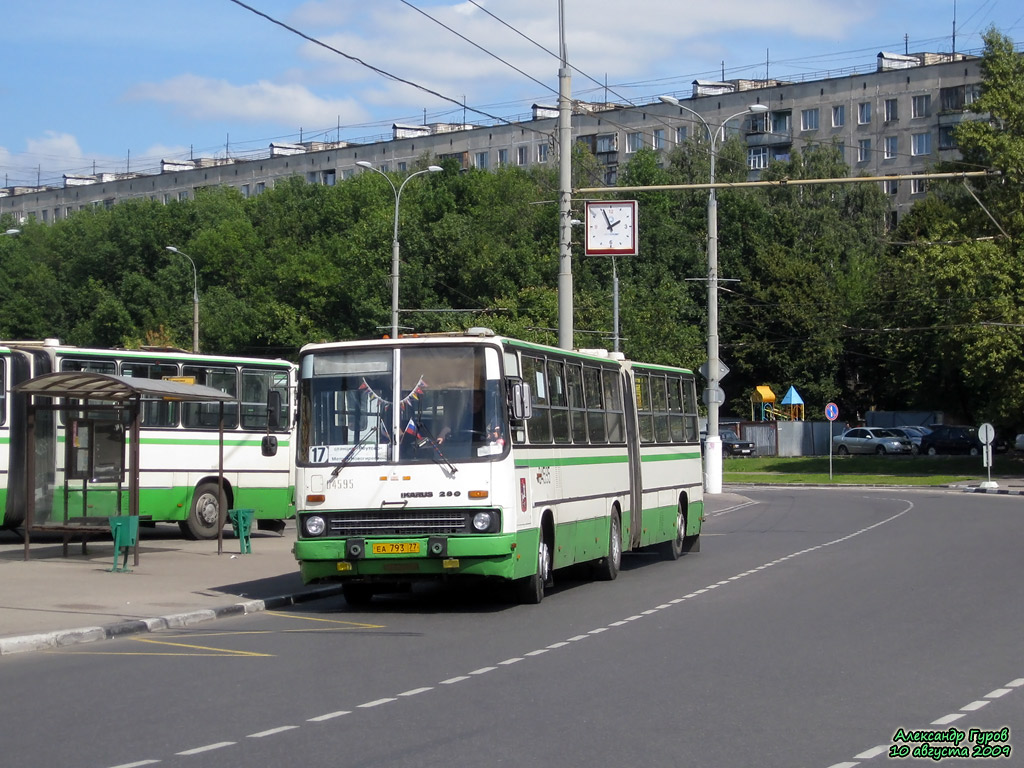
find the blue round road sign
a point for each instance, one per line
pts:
(831, 411)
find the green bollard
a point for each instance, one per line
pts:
(125, 530)
(241, 521)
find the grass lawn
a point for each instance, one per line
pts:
(872, 470)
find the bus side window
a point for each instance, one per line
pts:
(613, 402)
(577, 405)
(538, 428)
(594, 395)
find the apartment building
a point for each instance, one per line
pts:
(895, 118)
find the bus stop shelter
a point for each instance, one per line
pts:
(121, 400)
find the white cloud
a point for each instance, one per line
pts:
(204, 98)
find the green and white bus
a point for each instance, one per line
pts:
(472, 454)
(178, 444)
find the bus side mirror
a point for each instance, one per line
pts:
(269, 445)
(274, 407)
(520, 401)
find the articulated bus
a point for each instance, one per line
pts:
(470, 454)
(178, 443)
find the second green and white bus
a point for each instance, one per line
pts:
(476, 455)
(179, 442)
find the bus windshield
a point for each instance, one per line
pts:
(428, 403)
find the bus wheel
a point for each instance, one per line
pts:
(205, 513)
(357, 595)
(674, 548)
(531, 589)
(607, 568)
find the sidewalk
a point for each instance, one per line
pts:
(52, 601)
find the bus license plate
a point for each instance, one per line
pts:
(396, 548)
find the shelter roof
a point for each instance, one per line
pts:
(102, 386)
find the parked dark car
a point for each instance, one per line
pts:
(949, 439)
(731, 443)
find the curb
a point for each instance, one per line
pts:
(66, 637)
(1000, 491)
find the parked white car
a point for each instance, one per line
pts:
(870, 440)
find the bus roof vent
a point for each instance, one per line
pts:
(616, 355)
(594, 352)
(479, 331)
(51, 342)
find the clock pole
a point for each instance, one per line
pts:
(565, 319)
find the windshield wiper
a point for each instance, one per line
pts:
(348, 456)
(429, 439)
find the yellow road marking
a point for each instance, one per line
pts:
(358, 624)
(201, 647)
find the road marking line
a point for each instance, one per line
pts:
(451, 680)
(973, 706)
(224, 651)
(377, 703)
(359, 624)
(328, 716)
(574, 638)
(947, 719)
(843, 765)
(597, 631)
(538, 652)
(558, 644)
(271, 732)
(1015, 683)
(416, 691)
(873, 752)
(136, 765)
(485, 670)
(617, 623)
(997, 693)
(207, 748)
(513, 660)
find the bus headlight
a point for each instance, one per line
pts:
(482, 520)
(314, 525)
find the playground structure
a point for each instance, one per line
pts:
(763, 405)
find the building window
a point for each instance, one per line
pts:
(918, 186)
(921, 144)
(681, 134)
(183, 195)
(921, 106)
(957, 97)
(891, 187)
(483, 160)
(542, 153)
(385, 168)
(502, 157)
(809, 120)
(757, 158)
(403, 167)
(606, 143)
(947, 137)
(864, 113)
(839, 116)
(781, 122)
(245, 190)
(520, 155)
(891, 113)
(863, 150)
(634, 142)
(759, 123)
(659, 138)
(891, 147)
(261, 186)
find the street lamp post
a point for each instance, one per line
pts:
(195, 297)
(13, 232)
(394, 239)
(713, 442)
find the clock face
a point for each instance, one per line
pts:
(611, 228)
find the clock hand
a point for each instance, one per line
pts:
(614, 224)
(607, 220)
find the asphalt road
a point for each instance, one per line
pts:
(810, 629)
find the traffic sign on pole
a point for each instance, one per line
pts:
(831, 411)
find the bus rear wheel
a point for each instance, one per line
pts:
(607, 568)
(674, 548)
(208, 511)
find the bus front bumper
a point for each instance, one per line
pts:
(498, 556)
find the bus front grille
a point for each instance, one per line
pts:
(422, 522)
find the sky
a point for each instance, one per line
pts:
(119, 85)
